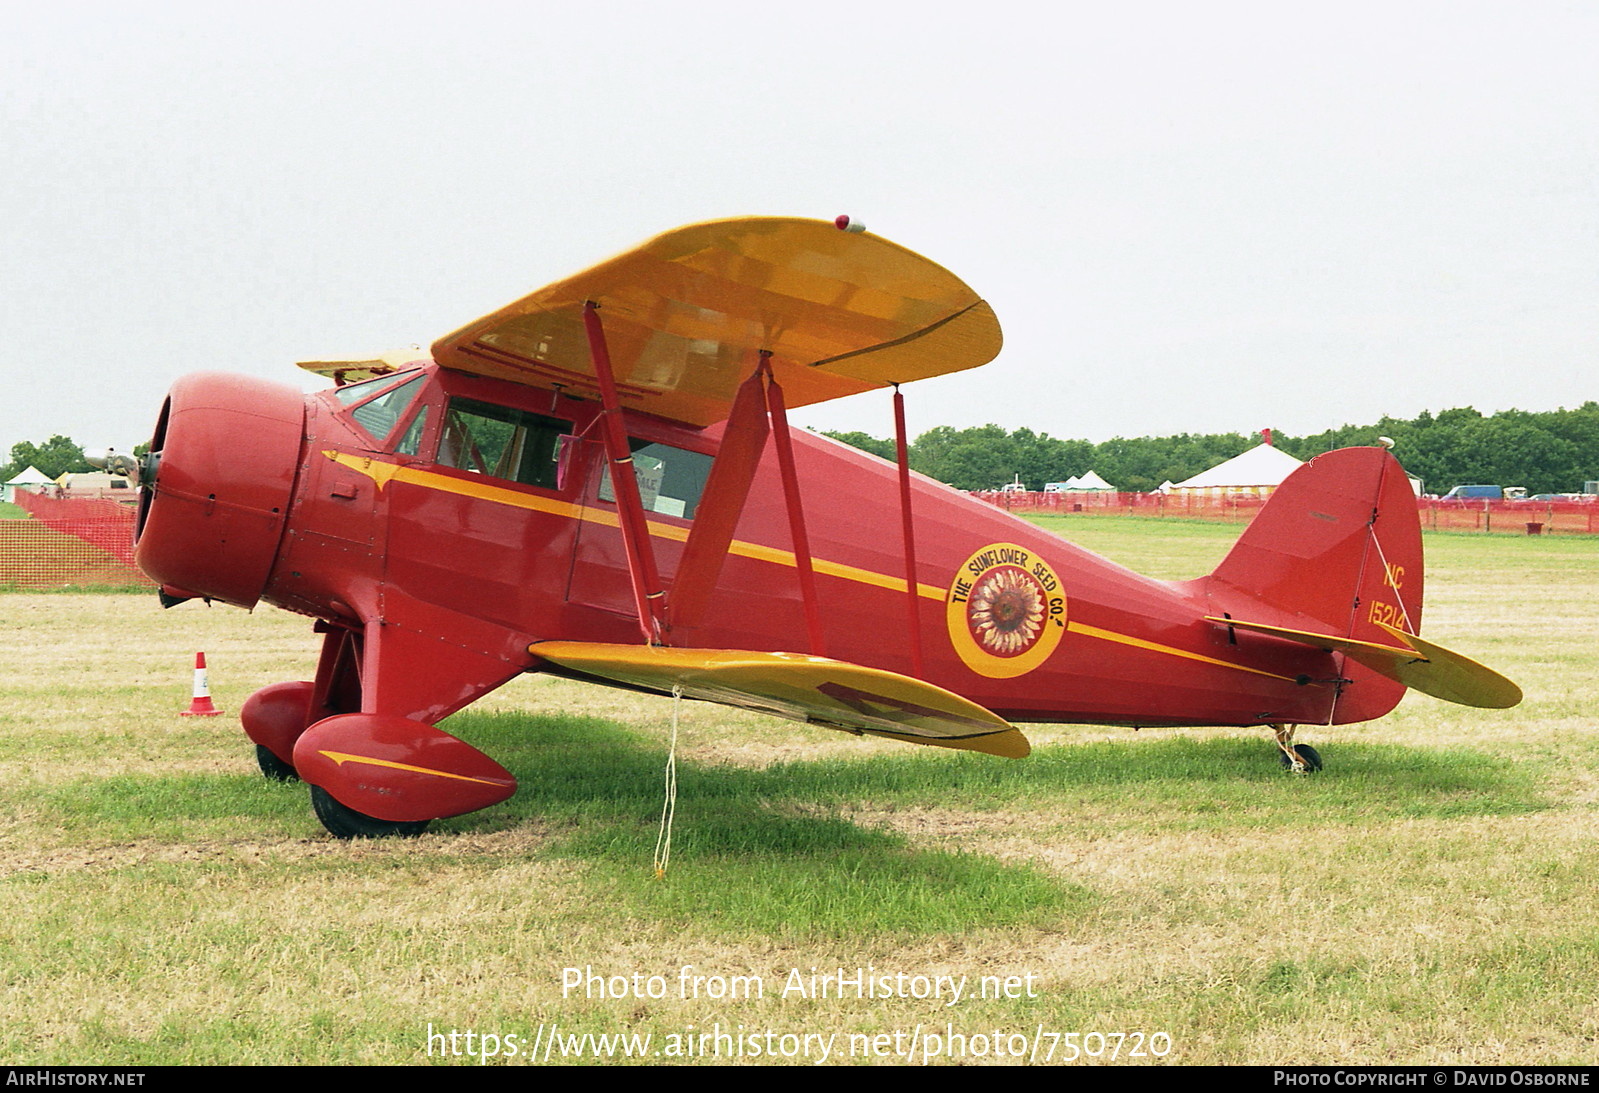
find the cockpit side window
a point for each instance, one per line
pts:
(501, 442)
(378, 416)
(412, 440)
(351, 393)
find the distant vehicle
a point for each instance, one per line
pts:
(1016, 486)
(1561, 497)
(1486, 493)
(1056, 487)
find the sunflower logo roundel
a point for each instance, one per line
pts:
(1006, 611)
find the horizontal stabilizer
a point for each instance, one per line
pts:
(1418, 664)
(831, 693)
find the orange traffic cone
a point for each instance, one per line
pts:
(201, 706)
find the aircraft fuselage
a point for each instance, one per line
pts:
(444, 516)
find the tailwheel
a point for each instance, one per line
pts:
(344, 822)
(1307, 758)
(1295, 758)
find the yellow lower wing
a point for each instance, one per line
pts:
(1420, 665)
(831, 693)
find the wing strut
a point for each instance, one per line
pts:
(759, 401)
(726, 490)
(912, 606)
(796, 514)
(648, 598)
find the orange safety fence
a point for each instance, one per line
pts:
(1512, 517)
(69, 542)
(1500, 517)
(1233, 508)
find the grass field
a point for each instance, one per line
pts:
(1427, 899)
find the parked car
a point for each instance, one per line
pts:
(1486, 493)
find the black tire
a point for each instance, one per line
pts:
(344, 822)
(1307, 755)
(273, 767)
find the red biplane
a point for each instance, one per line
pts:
(599, 481)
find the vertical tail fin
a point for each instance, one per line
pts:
(1337, 550)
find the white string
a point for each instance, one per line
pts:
(663, 840)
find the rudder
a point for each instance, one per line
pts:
(1336, 550)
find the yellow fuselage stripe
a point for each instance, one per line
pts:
(383, 473)
(1154, 647)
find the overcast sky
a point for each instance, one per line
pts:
(1189, 217)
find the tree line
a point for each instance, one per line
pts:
(1554, 451)
(55, 457)
(1547, 452)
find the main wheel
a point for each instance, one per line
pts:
(273, 767)
(344, 822)
(1307, 755)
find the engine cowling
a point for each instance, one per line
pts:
(219, 482)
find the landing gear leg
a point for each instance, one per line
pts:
(1295, 758)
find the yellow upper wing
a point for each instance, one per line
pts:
(685, 313)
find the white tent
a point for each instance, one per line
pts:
(32, 478)
(1089, 481)
(1258, 470)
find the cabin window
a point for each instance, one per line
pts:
(501, 442)
(670, 480)
(352, 393)
(412, 440)
(379, 415)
